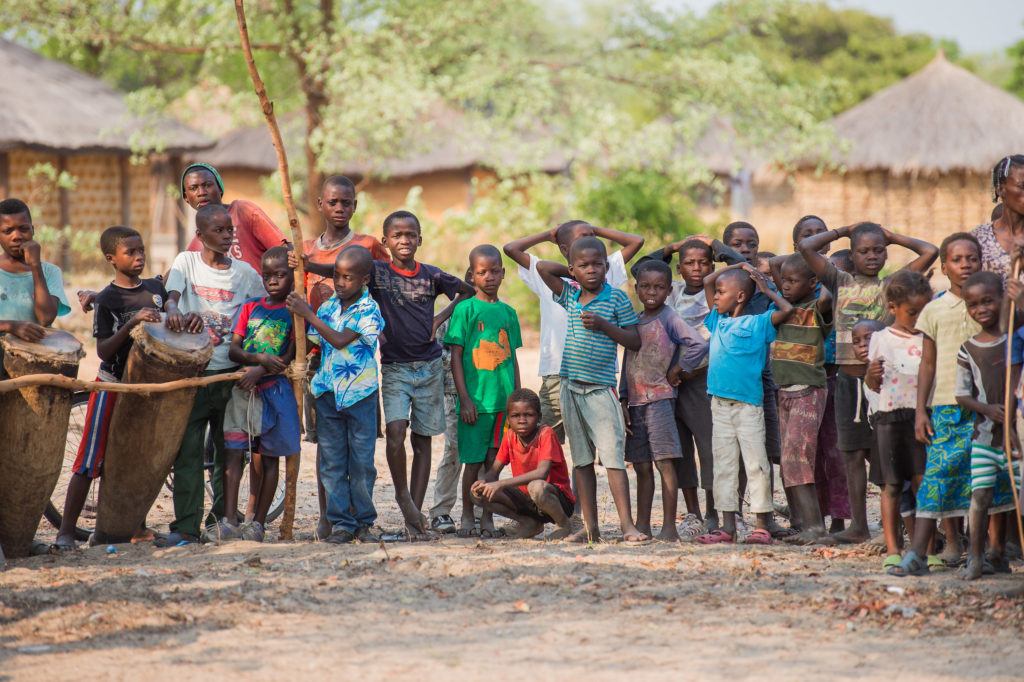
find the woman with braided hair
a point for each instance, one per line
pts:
(1005, 233)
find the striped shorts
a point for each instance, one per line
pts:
(93, 446)
(988, 471)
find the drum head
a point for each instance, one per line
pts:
(156, 334)
(56, 346)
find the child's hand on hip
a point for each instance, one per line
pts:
(625, 419)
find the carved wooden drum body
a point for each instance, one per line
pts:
(146, 430)
(33, 432)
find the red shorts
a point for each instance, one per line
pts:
(89, 461)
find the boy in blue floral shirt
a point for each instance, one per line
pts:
(345, 388)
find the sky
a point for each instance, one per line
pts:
(977, 25)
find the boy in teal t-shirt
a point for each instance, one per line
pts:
(483, 335)
(32, 289)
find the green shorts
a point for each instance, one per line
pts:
(476, 439)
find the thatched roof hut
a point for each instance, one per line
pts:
(916, 156)
(448, 155)
(56, 115)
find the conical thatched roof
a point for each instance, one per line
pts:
(445, 143)
(49, 105)
(940, 119)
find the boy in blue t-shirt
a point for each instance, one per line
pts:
(600, 319)
(739, 348)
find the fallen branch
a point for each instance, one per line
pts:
(61, 381)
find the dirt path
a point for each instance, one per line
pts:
(434, 610)
(482, 609)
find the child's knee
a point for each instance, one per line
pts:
(982, 497)
(537, 489)
(893, 490)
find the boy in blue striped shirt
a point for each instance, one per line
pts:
(600, 319)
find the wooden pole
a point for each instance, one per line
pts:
(1008, 422)
(292, 471)
(60, 381)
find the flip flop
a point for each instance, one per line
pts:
(715, 537)
(758, 536)
(935, 563)
(465, 532)
(912, 564)
(890, 561)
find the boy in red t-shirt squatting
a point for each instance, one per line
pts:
(539, 490)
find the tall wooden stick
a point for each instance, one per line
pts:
(1008, 422)
(60, 381)
(292, 470)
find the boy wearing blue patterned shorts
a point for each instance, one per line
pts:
(600, 319)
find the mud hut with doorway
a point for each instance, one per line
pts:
(58, 119)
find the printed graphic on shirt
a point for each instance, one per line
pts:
(489, 355)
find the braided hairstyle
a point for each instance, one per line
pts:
(1001, 172)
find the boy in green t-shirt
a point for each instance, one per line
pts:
(483, 334)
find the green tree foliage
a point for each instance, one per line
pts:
(850, 52)
(644, 202)
(635, 87)
(1016, 54)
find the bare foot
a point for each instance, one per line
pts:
(560, 533)
(809, 536)
(668, 534)
(973, 569)
(581, 536)
(850, 536)
(635, 536)
(417, 535)
(65, 543)
(528, 528)
(646, 530)
(411, 513)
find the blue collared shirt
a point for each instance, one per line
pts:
(350, 373)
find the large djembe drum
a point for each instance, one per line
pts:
(33, 430)
(146, 431)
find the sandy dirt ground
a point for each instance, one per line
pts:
(486, 609)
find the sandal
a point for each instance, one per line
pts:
(443, 524)
(492, 533)
(911, 565)
(715, 537)
(891, 561)
(758, 536)
(935, 563)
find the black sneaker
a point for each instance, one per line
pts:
(340, 537)
(443, 524)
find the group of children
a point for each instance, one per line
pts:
(820, 365)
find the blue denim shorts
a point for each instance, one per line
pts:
(414, 392)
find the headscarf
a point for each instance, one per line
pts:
(201, 166)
